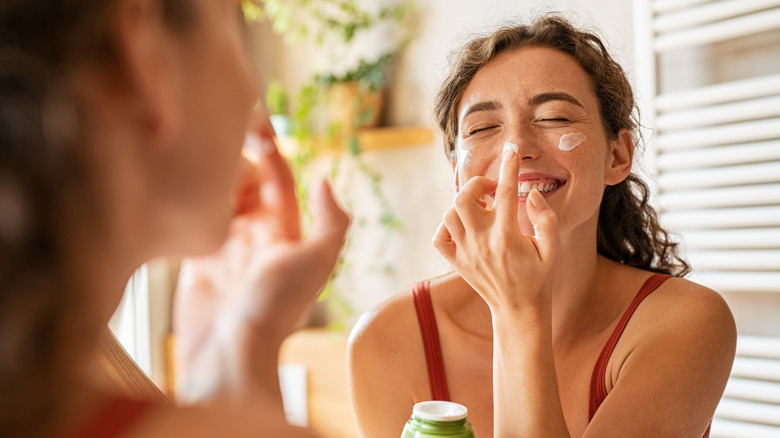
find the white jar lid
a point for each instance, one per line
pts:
(436, 410)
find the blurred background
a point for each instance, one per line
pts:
(350, 86)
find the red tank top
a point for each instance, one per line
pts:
(435, 363)
(115, 419)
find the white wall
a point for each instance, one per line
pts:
(445, 25)
(417, 180)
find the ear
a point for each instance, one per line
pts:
(146, 64)
(620, 159)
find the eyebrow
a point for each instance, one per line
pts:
(490, 105)
(547, 97)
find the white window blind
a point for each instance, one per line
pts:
(131, 320)
(708, 73)
(716, 141)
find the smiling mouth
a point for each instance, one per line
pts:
(546, 185)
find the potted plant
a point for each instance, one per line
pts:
(356, 42)
(346, 94)
(357, 96)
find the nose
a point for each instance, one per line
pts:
(528, 148)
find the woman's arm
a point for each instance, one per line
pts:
(671, 366)
(385, 365)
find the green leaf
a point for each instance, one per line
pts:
(353, 145)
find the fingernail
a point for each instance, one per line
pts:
(259, 146)
(534, 197)
(510, 148)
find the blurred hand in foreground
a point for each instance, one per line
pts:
(234, 308)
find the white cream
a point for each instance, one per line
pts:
(464, 156)
(570, 141)
(511, 147)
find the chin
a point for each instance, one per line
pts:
(203, 240)
(213, 240)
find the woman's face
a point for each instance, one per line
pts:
(541, 100)
(217, 93)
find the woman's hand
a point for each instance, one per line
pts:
(512, 272)
(234, 308)
(485, 246)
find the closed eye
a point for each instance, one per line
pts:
(478, 130)
(555, 119)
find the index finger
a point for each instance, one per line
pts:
(278, 202)
(506, 192)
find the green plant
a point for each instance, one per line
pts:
(323, 21)
(334, 27)
(276, 98)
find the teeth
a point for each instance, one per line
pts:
(523, 188)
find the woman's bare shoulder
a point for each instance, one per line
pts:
(684, 316)
(687, 304)
(386, 364)
(677, 304)
(672, 361)
(387, 323)
(393, 320)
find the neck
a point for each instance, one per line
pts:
(102, 241)
(578, 287)
(98, 267)
(581, 284)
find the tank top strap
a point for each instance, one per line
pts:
(431, 344)
(598, 390)
(115, 418)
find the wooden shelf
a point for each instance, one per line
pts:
(324, 353)
(370, 140)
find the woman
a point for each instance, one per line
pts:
(121, 125)
(552, 242)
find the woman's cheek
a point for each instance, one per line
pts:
(477, 160)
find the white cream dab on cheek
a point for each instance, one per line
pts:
(570, 141)
(464, 155)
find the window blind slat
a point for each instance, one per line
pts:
(749, 411)
(723, 428)
(720, 135)
(719, 93)
(719, 114)
(721, 176)
(756, 368)
(663, 6)
(719, 156)
(720, 31)
(758, 346)
(738, 282)
(757, 390)
(709, 12)
(756, 238)
(721, 197)
(739, 260)
(748, 217)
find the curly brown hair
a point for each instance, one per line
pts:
(628, 228)
(44, 332)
